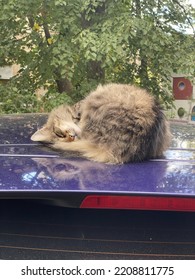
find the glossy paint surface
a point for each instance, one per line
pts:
(30, 167)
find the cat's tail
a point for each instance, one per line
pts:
(88, 150)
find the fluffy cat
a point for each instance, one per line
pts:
(116, 123)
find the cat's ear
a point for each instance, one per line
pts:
(42, 135)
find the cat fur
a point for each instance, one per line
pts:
(117, 123)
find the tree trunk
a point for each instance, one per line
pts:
(143, 71)
(94, 68)
(95, 71)
(64, 85)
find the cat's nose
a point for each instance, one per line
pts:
(72, 137)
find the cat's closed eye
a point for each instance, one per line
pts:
(59, 132)
(66, 135)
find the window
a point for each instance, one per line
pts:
(181, 112)
(181, 86)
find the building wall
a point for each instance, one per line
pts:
(182, 88)
(184, 95)
(7, 72)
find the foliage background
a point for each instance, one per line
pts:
(68, 47)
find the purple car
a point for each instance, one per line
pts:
(31, 170)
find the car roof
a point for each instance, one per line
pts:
(31, 169)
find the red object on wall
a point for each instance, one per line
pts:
(182, 88)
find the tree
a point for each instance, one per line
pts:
(69, 46)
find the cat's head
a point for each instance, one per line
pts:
(64, 133)
(61, 126)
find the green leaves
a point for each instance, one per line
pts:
(69, 46)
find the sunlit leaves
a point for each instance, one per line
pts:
(94, 41)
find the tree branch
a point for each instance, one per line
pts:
(186, 14)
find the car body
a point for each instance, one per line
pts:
(32, 170)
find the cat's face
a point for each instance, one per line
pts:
(65, 132)
(59, 128)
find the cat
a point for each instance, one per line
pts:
(116, 123)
